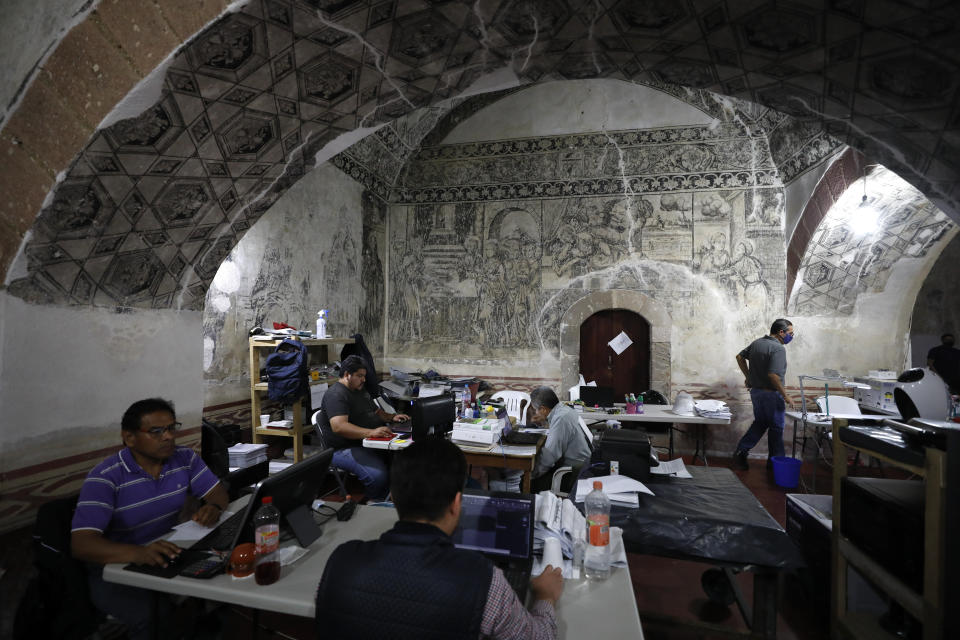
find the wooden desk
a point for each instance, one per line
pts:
(586, 609)
(523, 458)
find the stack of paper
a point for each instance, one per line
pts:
(246, 455)
(476, 430)
(712, 409)
(280, 424)
(621, 490)
(560, 519)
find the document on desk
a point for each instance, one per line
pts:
(622, 490)
(515, 449)
(671, 468)
(191, 531)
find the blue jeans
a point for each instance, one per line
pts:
(368, 465)
(768, 410)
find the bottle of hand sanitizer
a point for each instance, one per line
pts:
(322, 323)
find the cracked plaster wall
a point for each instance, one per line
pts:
(537, 225)
(319, 247)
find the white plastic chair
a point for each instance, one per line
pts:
(516, 401)
(839, 404)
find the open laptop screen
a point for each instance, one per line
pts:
(498, 524)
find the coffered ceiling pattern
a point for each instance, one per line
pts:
(151, 205)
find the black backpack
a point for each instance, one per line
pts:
(287, 374)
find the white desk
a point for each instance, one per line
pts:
(662, 413)
(586, 609)
(822, 423)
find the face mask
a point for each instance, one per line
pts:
(787, 337)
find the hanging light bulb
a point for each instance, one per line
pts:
(865, 219)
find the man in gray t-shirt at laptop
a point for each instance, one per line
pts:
(764, 363)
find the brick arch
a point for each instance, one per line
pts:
(843, 172)
(95, 65)
(652, 311)
(100, 60)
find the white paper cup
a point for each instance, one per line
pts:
(264, 419)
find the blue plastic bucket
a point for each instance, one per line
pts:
(786, 471)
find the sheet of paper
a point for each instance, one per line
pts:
(430, 390)
(620, 343)
(611, 485)
(671, 468)
(190, 531)
(316, 395)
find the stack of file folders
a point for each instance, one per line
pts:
(713, 409)
(246, 455)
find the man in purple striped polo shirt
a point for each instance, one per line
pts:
(131, 499)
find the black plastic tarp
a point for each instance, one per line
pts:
(711, 517)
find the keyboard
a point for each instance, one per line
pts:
(521, 438)
(519, 579)
(222, 538)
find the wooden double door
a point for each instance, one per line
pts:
(628, 372)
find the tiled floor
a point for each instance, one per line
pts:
(669, 587)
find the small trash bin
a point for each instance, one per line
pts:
(786, 471)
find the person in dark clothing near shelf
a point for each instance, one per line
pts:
(945, 360)
(764, 364)
(435, 590)
(348, 415)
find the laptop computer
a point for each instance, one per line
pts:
(500, 526)
(597, 396)
(292, 490)
(510, 435)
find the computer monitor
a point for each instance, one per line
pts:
(293, 491)
(597, 396)
(434, 415)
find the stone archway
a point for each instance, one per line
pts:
(660, 330)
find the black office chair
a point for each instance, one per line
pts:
(56, 603)
(333, 470)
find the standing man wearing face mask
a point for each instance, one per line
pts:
(945, 360)
(764, 364)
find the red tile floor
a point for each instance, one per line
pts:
(670, 587)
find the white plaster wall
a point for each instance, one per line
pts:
(302, 255)
(577, 106)
(67, 374)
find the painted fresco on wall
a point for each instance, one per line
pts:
(493, 277)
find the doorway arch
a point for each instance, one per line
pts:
(652, 311)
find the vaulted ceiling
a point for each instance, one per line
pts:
(150, 204)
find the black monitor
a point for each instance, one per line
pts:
(293, 490)
(596, 396)
(213, 450)
(434, 415)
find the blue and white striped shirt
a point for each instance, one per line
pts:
(126, 504)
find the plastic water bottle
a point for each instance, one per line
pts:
(596, 557)
(266, 538)
(322, 323)
(465, 402)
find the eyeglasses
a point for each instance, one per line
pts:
(157, 432)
